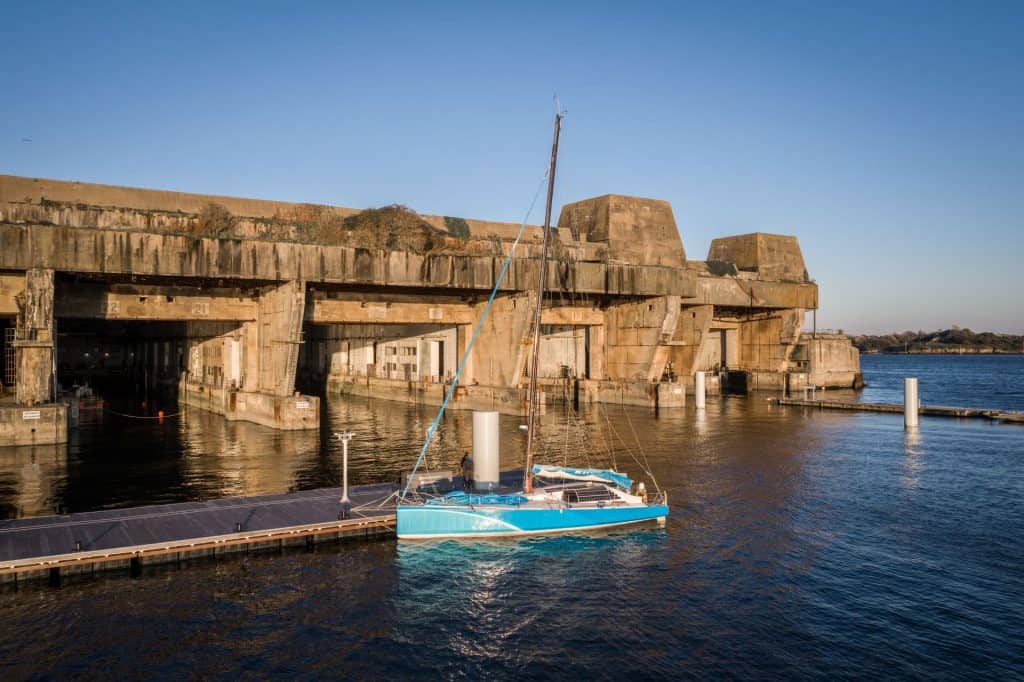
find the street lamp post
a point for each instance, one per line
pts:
(346, 504)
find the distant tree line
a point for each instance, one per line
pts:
(954, 340)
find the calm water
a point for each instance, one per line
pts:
(988, 381)
(801, 543)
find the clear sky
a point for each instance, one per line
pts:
(888, 137)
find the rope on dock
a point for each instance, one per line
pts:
(379, 503)
(136, 416)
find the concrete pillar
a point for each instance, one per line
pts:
(597, 335)
(33, 343)
(668, 310)
(789, 336)
(463, 332)
(281, 312)
(699, 391)
(695, 325)
(911, 405)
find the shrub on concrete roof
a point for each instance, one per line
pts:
(214, 220)
(457, 227)
(392, 227)
(317, 224)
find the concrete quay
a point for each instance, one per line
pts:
(44, 424)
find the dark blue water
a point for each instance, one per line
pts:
(985, 381)
(801, 544)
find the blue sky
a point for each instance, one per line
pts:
(888, 137)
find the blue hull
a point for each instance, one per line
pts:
(439, 521)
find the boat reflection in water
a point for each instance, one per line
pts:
(515, 606)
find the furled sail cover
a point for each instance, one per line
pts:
(598, 475)
(458, 497)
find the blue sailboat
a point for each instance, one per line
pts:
(550, 499)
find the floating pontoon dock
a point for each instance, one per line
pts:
(51, 546)
(932, 410)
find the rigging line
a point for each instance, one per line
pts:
(640, 448)
(476, 332)
(608, 440)
(569, 426)
(379, 502)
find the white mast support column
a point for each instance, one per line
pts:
(911, 405)
(346, 504)
(699, 390)
(486, 450)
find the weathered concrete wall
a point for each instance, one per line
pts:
(281, 311)
(396, 351)
(773, 256)
(10, 286)
(350, 311)
(767, 343)
(829, 360)
(287, 413)
(118, 252)
(750, 292)
(33, 425)
(84, 204)
(563, 347)
(502, 351)
(638, 394)
(34, 338)
(222, 355)
(691, 335)
(639, 231)
(625, 303)
(637, 338)
(152, 303)
(466, 397)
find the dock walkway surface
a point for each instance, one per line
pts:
(48, 546)
(932, 410)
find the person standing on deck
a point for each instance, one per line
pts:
(467, 471)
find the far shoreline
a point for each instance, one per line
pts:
(942, 353)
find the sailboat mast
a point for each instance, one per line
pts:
(532, 395)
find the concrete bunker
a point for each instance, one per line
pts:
(237, 317)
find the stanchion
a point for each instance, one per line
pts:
(346, 504)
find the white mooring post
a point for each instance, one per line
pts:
(698, 390)
(346, 505)
(911, 406)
